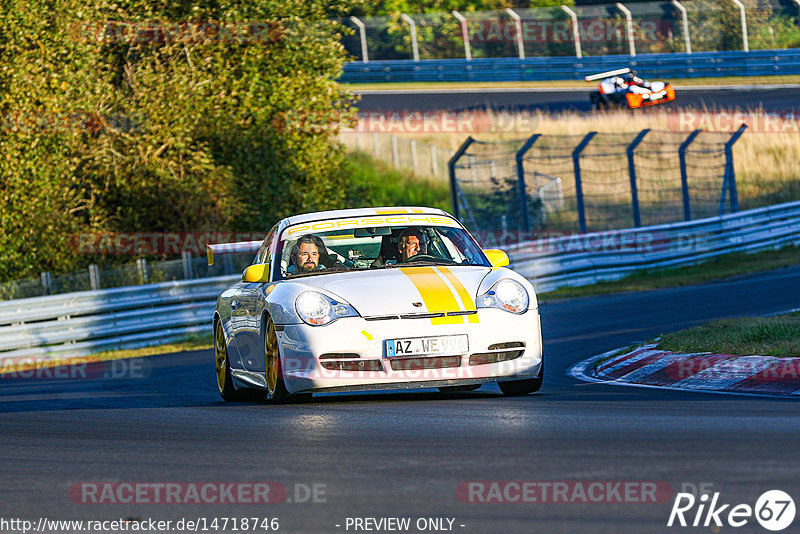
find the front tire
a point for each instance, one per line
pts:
(523, 387)
(276, 387)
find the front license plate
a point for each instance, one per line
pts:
(427, 346)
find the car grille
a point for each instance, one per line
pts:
(501, 354)
(435, 362)
(351, 365)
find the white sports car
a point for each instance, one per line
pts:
(374, 298)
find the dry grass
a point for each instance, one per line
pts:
(767, 163)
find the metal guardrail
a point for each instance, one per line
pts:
(582, 259)
(78, 324)
(699, 64)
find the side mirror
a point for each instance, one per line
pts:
(258, 273)
(497, 257)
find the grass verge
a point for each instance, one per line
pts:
(764, 336)
(554, 84)
(373, 183)
(727, 266)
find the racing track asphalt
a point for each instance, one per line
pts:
(404, 454)
(778, 99)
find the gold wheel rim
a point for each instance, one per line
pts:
(271, 357)
(221, 357)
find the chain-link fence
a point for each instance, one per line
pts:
(590, 30)
(598, 181)
(143, 272)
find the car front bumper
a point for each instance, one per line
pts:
(349, 354)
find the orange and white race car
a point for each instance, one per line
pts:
(623, 88)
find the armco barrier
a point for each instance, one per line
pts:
(583, 259)
(700, 64)
(77, 324)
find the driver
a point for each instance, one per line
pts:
(631, 79)
(306, 254)
(410, 244)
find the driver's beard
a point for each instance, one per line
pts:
(309, 266)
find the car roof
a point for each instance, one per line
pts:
(362, 212)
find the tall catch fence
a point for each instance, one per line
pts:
(631, 28)
(593, 182)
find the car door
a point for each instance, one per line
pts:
(250, 304)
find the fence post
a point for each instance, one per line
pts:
(94, 276)
(637, 218)
(687, 210)
(451, 169)
(363, 32)
(743, 15)
(414, 160)
(413, 27)
(576, 34)
(729, 182)
(629, 23)
(576, 165)
(518, 25)
(47, 283)
(523, 191)
(434, 162)
(395, 152)
(188, 272)
(687, 41)
(465, 34)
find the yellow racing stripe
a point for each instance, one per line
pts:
(466, 298)
(435, 293)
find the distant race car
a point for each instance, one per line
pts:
(622, 88)
(374, 298)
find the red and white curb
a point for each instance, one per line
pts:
(648, 366)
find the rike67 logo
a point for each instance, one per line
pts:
(774, 510)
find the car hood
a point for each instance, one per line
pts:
(405, 290)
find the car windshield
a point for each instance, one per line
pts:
(310, 249)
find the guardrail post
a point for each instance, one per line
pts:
(465, 34)
(188, 272)
(451, 169)
(576, 34)
(523, 191)
(94, 276)
(687, 210)
(362, 30)
(47, 283)
(518, 25)
(687, 42)
(141, 265)
(413, 27)
(729, 181)
(576, 165)
(637, 219)
(743, 16)
(629, 24)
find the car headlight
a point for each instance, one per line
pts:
(508, 295)
(317, 309)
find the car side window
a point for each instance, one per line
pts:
(265, 251)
